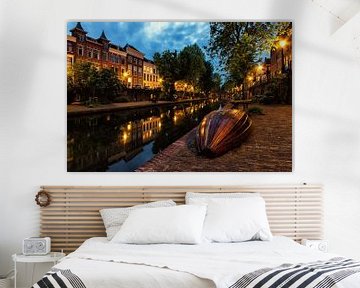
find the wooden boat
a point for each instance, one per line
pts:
(222, 130)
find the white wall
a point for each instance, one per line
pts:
(33, 114)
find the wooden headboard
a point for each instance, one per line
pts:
(73, 214)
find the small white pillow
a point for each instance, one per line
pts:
(172, 225)
(113, 218)
(204, 198)
(236, 220)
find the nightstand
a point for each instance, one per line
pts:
(320, 245)
(53, 257)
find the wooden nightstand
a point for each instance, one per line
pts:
(53, 257)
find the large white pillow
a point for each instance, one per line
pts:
(113, 218)
(204, 198)
(173, 225)
(236, 220)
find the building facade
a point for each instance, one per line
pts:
(281, 56)
(127, 62)
(151, 76)
(135, 64)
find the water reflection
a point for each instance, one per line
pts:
(125, 140)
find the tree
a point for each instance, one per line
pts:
(85, 75)
(216, 82)
(192, 65)
(70, 89)
(238, 45)
(87, 82)
(207, 78)
(168, 67)
(108, 85)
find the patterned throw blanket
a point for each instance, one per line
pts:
(59, 278)
(320, 274)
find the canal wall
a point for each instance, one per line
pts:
(77, 110)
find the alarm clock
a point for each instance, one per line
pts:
(320, 245)
(36, 246)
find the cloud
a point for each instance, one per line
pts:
(154, 29)
(150, 37)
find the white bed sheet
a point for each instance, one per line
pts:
(100, 263)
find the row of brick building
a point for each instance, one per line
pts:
(277, 66)
(279, 63)
(130, 64)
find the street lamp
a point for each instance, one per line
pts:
(160, 82)
(260, 69)
(282, 43)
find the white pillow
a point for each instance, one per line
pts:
(236, 220)
(113, 218)
(173, 225)
(203, 198)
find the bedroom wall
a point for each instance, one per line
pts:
(33, 117)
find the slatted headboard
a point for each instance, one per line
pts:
(73, 214)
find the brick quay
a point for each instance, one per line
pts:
(267, 149)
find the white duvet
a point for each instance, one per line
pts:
(100, 263)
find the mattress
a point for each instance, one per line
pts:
(99, 263)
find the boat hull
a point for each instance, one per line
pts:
(221, 131)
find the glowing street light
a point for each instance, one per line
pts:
(282, 43)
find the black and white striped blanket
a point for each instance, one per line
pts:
(59, 278)
(320, 274)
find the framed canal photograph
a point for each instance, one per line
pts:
(179, 96)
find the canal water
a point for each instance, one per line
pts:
(123, 141)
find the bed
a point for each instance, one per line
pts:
(295, 211)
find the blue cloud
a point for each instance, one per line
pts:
(150, 37)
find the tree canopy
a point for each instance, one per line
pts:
(167, 64)
(188, 65)
(238, 45)
(192, 64)
(86, 81)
